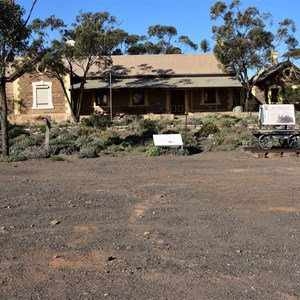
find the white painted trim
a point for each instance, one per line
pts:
(49, 104)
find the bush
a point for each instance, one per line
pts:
(16, 130)
(88, 152)
(96, 120)
(110, 138)
(147, 127)
(227, 122)
(154, 151)
(23, 141)
(13, 158)
(207, 129)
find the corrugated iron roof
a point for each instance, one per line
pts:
(164, 64)
(155, 82)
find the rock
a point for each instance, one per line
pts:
(54, 222)
(110, 258)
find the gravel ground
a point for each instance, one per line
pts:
(210, 226)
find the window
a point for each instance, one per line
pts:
(274, 95)
(102, 99)
(210, 96)
(42, 95)
(138, 98)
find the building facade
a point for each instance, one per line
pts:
(135, 84)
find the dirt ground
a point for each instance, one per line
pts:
(210, 226)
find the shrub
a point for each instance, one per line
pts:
(13, 158)
(125, 120)
(35, 152)
(23, 142)
(83, 130)
(147, 127)
(96, 120)
(227, 121)
(16, 130)
(64, 138)
(207, 129)
(88, 152)
(195, 121)
(56, 158)
(154, 151)
(110, 138)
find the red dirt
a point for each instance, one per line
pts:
(209, 226)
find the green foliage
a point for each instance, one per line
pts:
(65, 138)
(243, 42)
(23, 142)
(147, 127)
(110, 138)
(56, 158)
(207, 129)
(16, 130)
(160, 40)
(227, 121)
(42, 128)
(89, 151)
(154, 151)
(124, 120)
(218, 132)
(228, 139)
(290, 95)
(13, 158)
(96, 120)
(195, 121)
(83, 131)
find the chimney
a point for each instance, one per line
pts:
(274, 58)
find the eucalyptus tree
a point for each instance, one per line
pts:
(14, 41)
(243, 42)
(293, 54)
(160, 39)
(90, 41)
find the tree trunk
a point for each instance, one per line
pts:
(69, 99)
(47, 134)
(79, 100)
(4, 123)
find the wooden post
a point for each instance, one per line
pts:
(47, 120)
(47, 133)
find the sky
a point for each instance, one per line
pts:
(189, 17)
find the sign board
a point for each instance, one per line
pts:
(277, 114)
(167, 140)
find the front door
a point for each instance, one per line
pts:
(177, 102)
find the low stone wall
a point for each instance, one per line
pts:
(35, 119)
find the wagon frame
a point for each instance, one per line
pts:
(277, 125)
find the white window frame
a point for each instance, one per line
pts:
(48, 103)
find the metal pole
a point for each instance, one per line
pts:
(186, 117)
(110, 97)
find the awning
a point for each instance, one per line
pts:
(160, 83)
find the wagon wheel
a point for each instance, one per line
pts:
(265, 141)
(282, 141)
(294, 141)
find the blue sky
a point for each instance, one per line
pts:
(190, 17)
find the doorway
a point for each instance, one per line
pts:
(177, 102)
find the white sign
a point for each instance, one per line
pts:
(277, 114)
(167, 140)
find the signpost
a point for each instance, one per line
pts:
(171, 140)
(274, 116)
(277, 114)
